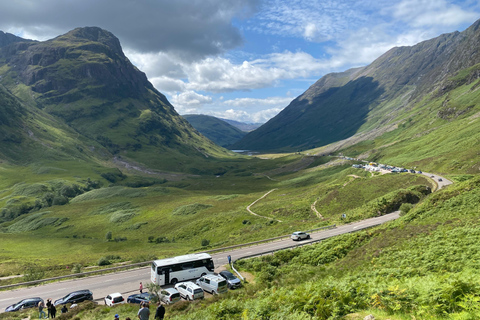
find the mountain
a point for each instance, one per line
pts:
(84, 80)
(217, 130)
(373, 99)
(246, 127)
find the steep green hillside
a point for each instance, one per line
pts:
(376, 98)
(215, 129)
(84, 79)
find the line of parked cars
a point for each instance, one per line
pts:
(211, 283)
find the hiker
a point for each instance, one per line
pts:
(229, 259)
(160, 312)
(40, 310)
(64, 309)
(144, 313)
(117, 317)
(141, 287)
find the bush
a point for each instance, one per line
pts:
(190, 209)
(108, 236)
(103, 261)
(205, 242)
(405, 208)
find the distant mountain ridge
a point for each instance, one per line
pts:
(243, 126)
(84, 79)
(217, 130)
(369, 98)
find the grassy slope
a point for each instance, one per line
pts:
(218, 205)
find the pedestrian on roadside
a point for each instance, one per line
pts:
(160, 312)
(53, 311)
(40, 311)
(49, 306)
(117, 317)
(144, 313)
(141, 287)
(229, 259)
(64, 309)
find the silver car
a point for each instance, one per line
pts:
(299, 235)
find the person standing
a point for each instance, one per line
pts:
(53, 311)
(40, 311)
(141, 287)
(49, 307)
(144, 312)
(160, 312)
(229, 257)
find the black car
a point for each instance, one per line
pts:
(75, 297)
(24, 304)
(140, 297)
(232, 281)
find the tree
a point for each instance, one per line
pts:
(108, 236)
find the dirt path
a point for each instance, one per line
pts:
(251, 204)
(319, 215)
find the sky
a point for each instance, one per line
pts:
(243, 60)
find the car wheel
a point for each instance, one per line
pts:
(308, 237)
(214, 292)
(174, 281)
(188, 298)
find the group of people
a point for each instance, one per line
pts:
(51, 309)
(144, 312)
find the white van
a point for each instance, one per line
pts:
(213, 284)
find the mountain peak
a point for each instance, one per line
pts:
(94, 34)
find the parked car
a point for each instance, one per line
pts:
(169, 295)
(212, 283)
(440, 179)
(189, 290)
(232, 281)
(75, 297)
(114, 299)
(140, 297)
(24, 304)
(420, 172)
(299, 235)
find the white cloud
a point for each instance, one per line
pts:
(424, 13)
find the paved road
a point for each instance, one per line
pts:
(127, 282)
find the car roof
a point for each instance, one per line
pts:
(171, 290)
(225, 272)
(116, 294)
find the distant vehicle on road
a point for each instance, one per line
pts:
(440, 179)
(232, 281)
(24, 304)
(114, 299)
(299, 235)
(75, 297)
(181, 268)
(420, 172)
(140, 297)
(189, 290)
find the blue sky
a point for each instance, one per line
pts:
(243, 59)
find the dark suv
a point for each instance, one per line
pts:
(24, 304)
(75, 297)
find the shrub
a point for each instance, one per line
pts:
(108, 236)
(103, 261)
(405, 208)
(205, 242)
